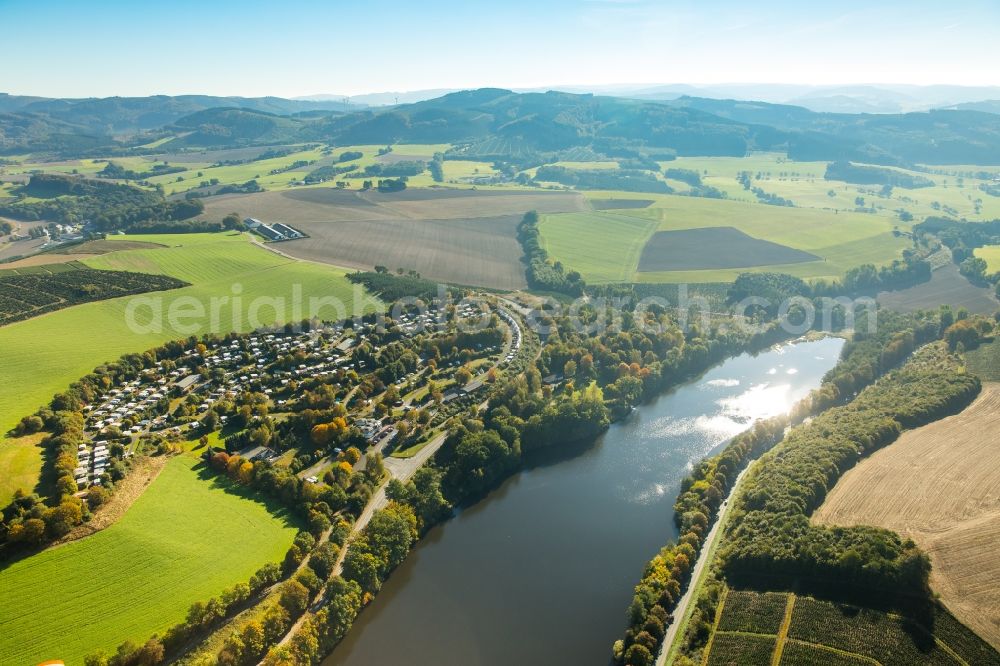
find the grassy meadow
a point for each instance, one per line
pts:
(21, 462)
(605, 247)
(991, 255)
(43, 355)
(189, 535)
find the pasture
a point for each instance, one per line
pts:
(603, 247)
(839, 241)
(991, 255)
(453, 235)
(42, 355)
(940, 486)
(187, 535)
(954, 188)
(21, 462)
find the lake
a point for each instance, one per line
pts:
(541, 571)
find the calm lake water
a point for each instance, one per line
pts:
(542, 570)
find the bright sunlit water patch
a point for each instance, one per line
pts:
(761, 401)
(722, 383)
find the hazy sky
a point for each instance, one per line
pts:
(137, 47)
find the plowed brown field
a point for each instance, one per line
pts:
(459, 236)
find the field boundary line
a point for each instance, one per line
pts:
(752, 634)
(786, 622)
(827, 648)
(715, 625)
(944, 646)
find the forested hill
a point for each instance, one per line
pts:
(113, 115)
(494, 123)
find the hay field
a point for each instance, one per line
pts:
(185, 539)
(940, 486)
(453, 235)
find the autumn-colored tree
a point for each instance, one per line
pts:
(320, 434)
(463, 376)
(31, 531)
(220, 461)
(245, 475)
(96, 497)
(63, 518)
(352, 455)
(233, 466)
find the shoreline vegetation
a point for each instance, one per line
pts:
(863, 361)
(602, 377)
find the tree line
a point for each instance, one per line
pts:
(771, 537)
(541, 272)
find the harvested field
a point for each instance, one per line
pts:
(940, 486)
(477, 251)
(328, 204)
(946, 287)
(618, 204)
(44, 259)
(461, 236)
(713, 248)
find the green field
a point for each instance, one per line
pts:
(605, 246)
(991, 255)
(21, 462)
(43, 355)
(184, 540)
(803, 183)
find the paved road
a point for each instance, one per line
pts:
(704, 556)
(398, 468)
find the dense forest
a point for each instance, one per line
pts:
(103, 205)
(867, 175)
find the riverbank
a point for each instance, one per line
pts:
(550, 555)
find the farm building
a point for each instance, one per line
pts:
(269, 232)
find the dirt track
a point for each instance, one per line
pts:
(940, 486)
